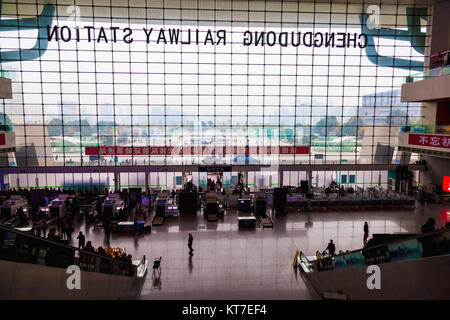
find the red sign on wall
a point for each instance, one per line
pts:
(445, 216)
(446, 184)
(197, 150)
(2, 139)
(429, 140)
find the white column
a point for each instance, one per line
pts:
(116, 181)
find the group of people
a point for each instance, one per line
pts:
(430, 226)
(53, 192)
(335, 188)
(88, 247)
(190, 186)
(101, 251)
(215, 185)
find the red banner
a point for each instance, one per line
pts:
(2, 139)
(197, 150)
(429, 140)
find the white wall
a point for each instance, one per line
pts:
(436, 169)
(30, 281)
(426, 278)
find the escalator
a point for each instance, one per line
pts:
(32, 267)
(414, 267)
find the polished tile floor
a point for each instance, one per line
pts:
(229, 263)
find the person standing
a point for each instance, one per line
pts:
(21, 215)
(44, 227)
(81, 240)
(59, 223)
(89, 247)
(331, 248)
(428, 226)
(190, 240)
(62, 231)
(366, 232)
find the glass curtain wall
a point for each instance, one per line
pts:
(121, 83)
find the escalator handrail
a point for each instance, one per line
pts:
(303, 257)
(305, 263)
(418, 237)
(53, 243)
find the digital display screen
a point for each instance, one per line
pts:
(446, 184)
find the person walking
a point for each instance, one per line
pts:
(106, 226)
(144, 213)
(366, 233)
(81, 240)
(190, 240)
(135, 224)
(69, 231)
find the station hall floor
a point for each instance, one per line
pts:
(229, 263)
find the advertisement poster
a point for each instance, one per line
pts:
(376, 255)
(354, 259)
(227, 179)
(406, 250)
(9, 238)
(339, 262)
(203, 177)
(234, 181)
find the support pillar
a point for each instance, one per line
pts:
(309, 178)
(246, 178)
(281, 173)
(146, 180)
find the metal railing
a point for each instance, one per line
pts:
(432, 73)
(428, 128)
(426, 242)
(24, 247)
